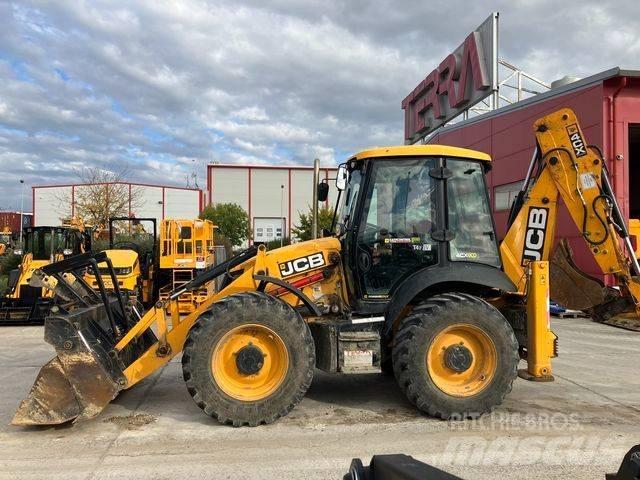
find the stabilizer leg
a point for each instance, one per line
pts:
(541, 341)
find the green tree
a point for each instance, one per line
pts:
(303, 228)
(231, 219)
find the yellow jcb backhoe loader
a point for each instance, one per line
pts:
(413, 280)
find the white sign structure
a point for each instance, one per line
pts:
(465, 77)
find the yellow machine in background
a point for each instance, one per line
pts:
(133, 253)
(126, 265)
(6, 240)
(413, 280)
(150, 269)
(186, 248)
(26, 301)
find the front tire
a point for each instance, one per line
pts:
(455, 356)
(249, 360)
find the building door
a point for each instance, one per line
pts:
(634, 185)
(634, 171)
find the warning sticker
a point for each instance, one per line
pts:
(397, 240)
(587, 181)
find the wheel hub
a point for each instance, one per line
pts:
(458, 358)
(462, 360)
(249, 360)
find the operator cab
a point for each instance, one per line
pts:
(404, 210)
(49, 243)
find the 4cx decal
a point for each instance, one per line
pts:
(535, 234)
(301, 264)
(577, 142)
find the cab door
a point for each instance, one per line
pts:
(398, 217)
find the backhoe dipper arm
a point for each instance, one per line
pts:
(569, 168)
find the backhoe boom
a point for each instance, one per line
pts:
(575, 172)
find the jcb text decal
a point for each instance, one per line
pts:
(577, 142)
(535, 234)
(301, 264)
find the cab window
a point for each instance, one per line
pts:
(470, 215)
(185, 233)
(348, 201)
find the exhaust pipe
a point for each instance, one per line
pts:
(316, 180)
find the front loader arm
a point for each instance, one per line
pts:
(103, 345)
(570, 169)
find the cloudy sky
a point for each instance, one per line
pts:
(163, 88)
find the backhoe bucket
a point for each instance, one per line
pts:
(571, 287)
(576, 290)
(80, 381)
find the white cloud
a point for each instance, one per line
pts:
(165, 87)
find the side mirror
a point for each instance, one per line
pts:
(323, 191)
(342, 177)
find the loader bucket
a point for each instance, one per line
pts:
(81, 380)
(83, 326)
(571, 287)
(51, 400)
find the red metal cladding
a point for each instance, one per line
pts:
(12, 221)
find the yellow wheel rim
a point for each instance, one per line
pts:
(462, 360)
(250, 362)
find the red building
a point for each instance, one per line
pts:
(608, 107)
(12, 221)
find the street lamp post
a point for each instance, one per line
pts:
(281, 215)
(21, 208)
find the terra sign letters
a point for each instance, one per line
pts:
(462, 79)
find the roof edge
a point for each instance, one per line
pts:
(573, 86)
(418, 149)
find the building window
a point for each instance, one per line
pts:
(505, 195)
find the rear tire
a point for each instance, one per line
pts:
(249, 360)
(455, 356)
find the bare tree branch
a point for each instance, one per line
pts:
(102, 194)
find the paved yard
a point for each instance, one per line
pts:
(577, 427)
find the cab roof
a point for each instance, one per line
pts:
(420, 150)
